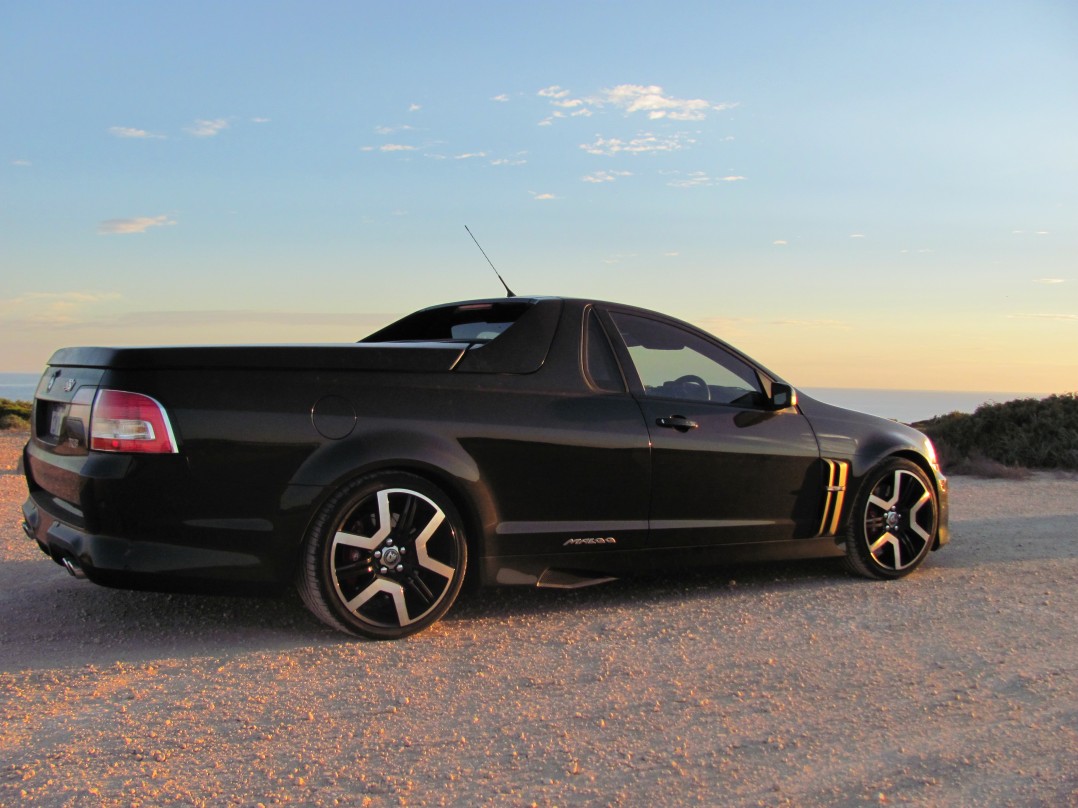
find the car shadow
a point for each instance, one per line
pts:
(705, 583)
(55, 621)
(58, 621)
(50, 619)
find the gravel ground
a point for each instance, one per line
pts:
(788, 684)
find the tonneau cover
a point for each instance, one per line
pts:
(416, 357)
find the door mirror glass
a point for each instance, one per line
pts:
(783, 396)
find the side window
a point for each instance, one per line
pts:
(599, 363)
(673, 363)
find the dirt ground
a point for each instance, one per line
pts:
(789, 684)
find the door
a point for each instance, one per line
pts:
(727, 467)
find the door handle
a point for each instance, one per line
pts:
(678, 422)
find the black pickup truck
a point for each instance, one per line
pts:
(537, 441)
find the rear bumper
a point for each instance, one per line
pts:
(149, 523)
(147, 563)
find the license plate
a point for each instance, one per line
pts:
(56, 420)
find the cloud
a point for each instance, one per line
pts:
(501, 98)
(693, 179)
(50, 309)
(389, 130)
(857, 235)
(605, 176)
(260, 120)
(144, 319)
(654, 103)
(139, 224)
(207, 128)
(1050, 280)
(129, 132)
(641, 144)
(470, 155)
(1067, 317)
(584, 112)
(21, 163)
(61, 298)
(554, 91)
(414, 107)
(649, 100)
(780, 242)
(813, 323)
(72, 311)
(542, 197)
(395, 147)
(696, 179)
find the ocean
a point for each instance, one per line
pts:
(18, 386)
(909, 406)
(901, 405)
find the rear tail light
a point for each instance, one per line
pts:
(130, 422)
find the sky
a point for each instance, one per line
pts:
(879, 194)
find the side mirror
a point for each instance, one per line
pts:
(783, 396)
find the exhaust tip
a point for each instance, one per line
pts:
(72, 566)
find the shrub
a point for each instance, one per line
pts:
(14, 414)
(1027, 433)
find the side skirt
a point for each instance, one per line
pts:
(573, 570)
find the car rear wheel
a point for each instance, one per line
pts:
(893, 523)
(384, 558)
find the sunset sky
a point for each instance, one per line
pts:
(858, 194)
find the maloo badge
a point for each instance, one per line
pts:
(591, 540)
(69, 386)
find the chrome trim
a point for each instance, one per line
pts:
(578, 528)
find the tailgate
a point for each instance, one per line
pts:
(61, 417)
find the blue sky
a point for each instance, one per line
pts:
(858, 194)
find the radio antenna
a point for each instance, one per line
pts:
(508, 291)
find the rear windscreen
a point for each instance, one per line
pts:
(472, 322)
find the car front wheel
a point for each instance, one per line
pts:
(384, 558)
(893, 523)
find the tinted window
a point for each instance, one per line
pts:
(474, 322)
(674, 363)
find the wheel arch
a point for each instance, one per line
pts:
(465, 497)
(863, 469)
(436, 459)
(864, 464)
(921, 461)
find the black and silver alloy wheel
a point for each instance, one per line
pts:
(385, 557)
(893, 524)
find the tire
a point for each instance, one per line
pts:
(893, 524)
(384, 557)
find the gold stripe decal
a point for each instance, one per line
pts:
(834, 496)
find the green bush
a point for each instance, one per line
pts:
(1027, 433)
(14, 414)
